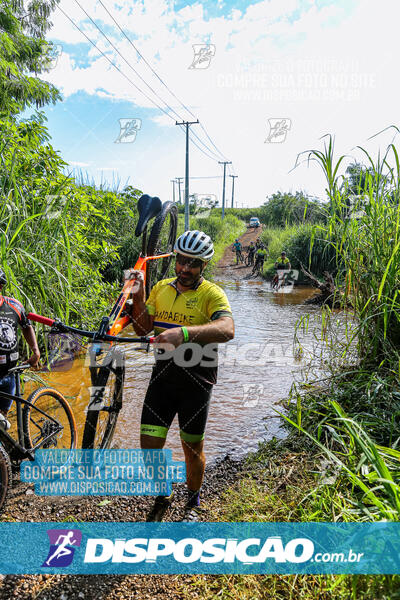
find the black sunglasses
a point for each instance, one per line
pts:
(194, 263)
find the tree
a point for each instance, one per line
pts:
(24, 53)
(290, 209)
(357, 178)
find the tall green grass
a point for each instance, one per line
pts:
(56, 236)
(368, 248)
(354, 415)
(304, 245)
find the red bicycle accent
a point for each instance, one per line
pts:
(40, 319)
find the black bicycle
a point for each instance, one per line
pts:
(43, 420)
(107, 363)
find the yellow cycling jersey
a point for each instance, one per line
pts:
(198, 306)
(281, 261)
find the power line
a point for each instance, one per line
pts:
(113, 64)
(130, 81)
(224, 162)
(159, 78)
(127, 62)
(144, 81)
(187, 124)
(233, 187)
(207, 177)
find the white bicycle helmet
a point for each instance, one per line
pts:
(196, 244)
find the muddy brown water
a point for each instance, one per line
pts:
(256, 372)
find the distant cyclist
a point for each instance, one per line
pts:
(237, 247)
(12, 316)
(282, 263)
(261, 255)
(258, 243)
(190, 311)
(250, 254)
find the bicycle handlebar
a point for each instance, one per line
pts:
(19, 368)
(94, 335)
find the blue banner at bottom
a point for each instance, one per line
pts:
(248, 548)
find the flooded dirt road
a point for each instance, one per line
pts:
(256, 372)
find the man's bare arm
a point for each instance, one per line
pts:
(219, 331)
(141, 320)
(29, 335)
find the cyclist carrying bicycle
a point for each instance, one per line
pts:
(191, 315)
(237, 247)
(12, 316)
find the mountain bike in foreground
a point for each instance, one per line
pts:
(44, 420)
(107, 362)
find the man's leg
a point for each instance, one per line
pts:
(192, 418)
(195, 463)
(157, 415)
(151, 442)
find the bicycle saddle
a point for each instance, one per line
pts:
(148, 208)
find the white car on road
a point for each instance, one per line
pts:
(254, 222)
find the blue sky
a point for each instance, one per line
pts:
(321, 67)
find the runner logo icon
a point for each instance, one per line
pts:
(63, 543)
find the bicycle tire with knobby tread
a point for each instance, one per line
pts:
(33, 419)
(93, 435)
(5, 476)
(158, 269)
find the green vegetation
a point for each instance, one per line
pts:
(223, 233)
(23, 51)
(56, 236)
(304, 244)
(340, 461)
(291, 587)
(359, 403)
(281, 210)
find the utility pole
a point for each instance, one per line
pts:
(173, 189)
(233, 187)
(224, 162)
(179, 180)
(187, 125)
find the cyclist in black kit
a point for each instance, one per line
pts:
(12, 316)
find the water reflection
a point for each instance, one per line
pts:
(251, 383)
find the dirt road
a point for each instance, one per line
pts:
(227, 267)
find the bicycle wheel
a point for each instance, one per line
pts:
(103, 411)
(5, 476)
(54, 429)
(161, 241)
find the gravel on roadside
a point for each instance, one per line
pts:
(25, 506)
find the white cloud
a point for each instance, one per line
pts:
(326, 71)
(74, 163)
